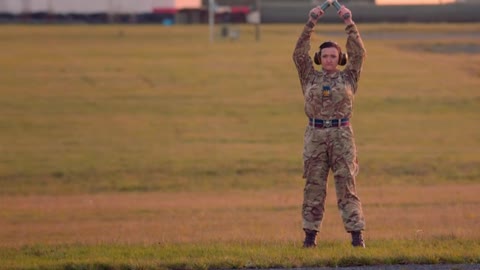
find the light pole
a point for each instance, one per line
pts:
(26, 9)
(257, 25)
(211, 18)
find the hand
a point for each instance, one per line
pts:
(315, 14)
(345, 14)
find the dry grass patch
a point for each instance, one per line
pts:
(395, 212)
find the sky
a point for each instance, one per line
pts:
(412, 2)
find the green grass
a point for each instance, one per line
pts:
(96, 110)
(152, 108)
(239, 255)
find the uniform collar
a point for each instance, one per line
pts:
(331, 75)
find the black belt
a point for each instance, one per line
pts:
(319, 123)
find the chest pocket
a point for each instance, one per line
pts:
(339, 90)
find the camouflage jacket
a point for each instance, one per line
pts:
(337, 101)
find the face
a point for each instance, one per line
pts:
(329, 59)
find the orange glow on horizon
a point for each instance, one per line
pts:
(413, 2)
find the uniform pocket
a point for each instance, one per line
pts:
(314, 146)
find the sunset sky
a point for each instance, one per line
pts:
(412, 2)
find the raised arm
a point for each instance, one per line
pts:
(301, 58)
(355, 49)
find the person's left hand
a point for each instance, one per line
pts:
(345, 14)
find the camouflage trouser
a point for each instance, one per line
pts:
(325, 149)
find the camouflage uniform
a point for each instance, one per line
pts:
(330, 148)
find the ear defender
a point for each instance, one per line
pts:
(343, 59)
(316, 58)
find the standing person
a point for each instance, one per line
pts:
(329, 143)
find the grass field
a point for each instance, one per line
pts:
(147, 147)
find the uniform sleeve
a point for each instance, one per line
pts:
(301, 58)
(356, 55)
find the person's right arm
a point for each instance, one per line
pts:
(301, 58)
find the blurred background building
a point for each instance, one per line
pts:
(235, 11)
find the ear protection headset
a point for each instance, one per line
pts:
(342, 57)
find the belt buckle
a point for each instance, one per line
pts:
(327, 123)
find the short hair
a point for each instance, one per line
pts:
(342, 58)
